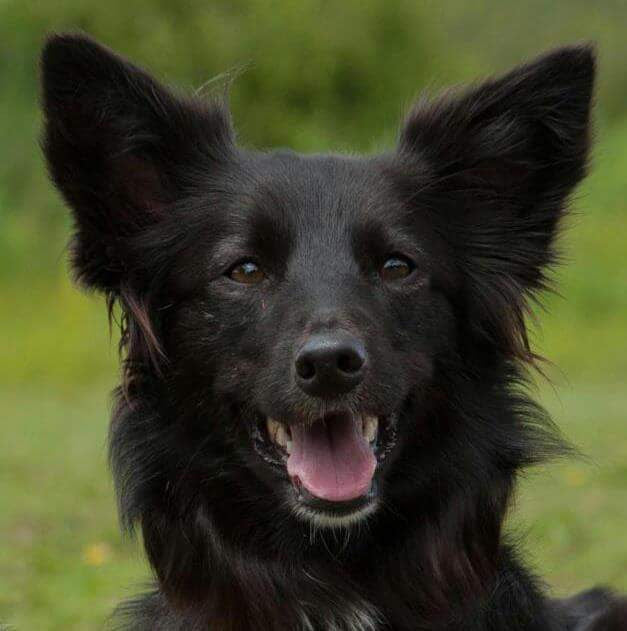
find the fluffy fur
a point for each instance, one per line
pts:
(165, 203)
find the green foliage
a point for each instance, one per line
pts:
(314, 76)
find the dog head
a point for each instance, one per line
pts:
(306, 323)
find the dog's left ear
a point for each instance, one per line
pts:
(497, 163)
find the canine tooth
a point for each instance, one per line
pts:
(370, 425)
(277, 432)
(288, 446)
(271, 426)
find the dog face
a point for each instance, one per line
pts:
(318, 308)
(312, 317)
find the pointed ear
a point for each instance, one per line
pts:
(497, 162)
(528, 129)
(121, 148)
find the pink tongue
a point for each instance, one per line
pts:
(332, 459)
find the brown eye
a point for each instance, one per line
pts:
(396, 268)
(247, 272)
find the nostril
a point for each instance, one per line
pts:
(305, 368)
(350, 362)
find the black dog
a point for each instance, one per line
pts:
(322, 414)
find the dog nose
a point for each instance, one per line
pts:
(330, 364)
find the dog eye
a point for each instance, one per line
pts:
(247, 272)
(396, 268)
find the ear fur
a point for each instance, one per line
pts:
(529, 127)
(121, 148)
(497, 163)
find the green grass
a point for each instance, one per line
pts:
(574, 512)
(65, 564)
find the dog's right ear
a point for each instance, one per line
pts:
(121, 148)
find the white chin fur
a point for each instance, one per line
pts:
(329, 520)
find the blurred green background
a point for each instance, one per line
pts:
(318, 76)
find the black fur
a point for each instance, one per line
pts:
(165, 203)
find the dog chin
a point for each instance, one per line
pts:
(334, 515)
(331, 519)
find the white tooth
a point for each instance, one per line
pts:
(370, 425)
(288, 447)
(281, 436)
(271, 426)
(277, 432)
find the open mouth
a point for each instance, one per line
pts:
(331, 462)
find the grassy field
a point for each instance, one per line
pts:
(64, 564)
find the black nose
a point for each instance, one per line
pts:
(330, 364)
